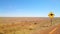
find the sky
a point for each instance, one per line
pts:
(29, 8)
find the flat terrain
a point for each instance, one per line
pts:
(29, 25)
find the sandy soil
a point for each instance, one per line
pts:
(29, 25)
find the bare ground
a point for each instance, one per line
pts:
(29, 25)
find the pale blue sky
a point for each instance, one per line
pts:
(29, 8)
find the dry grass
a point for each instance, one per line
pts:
(27, 25)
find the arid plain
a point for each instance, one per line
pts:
(29, 25)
